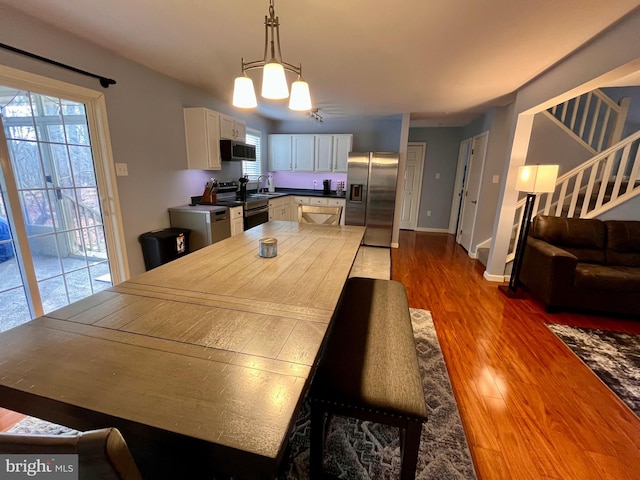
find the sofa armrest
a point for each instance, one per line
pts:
(547, 271)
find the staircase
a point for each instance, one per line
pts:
(607, 180)
(610, 178)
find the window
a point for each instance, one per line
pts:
(253, 169)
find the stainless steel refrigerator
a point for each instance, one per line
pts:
(371, 194)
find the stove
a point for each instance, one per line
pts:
(254, 210)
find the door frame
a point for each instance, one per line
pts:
(414, 224)
(96, 111)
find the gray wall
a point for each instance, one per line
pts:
(441, 157)
(550, 144)
(145, 120)
(629, 210)
(632, 123)
(379, 134)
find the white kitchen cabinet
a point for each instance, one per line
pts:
(280, 157)
(202, 133)
(280, 208)
(232, 129)
(303, 153)
(323, 153)
(341, 147)
(237, 221)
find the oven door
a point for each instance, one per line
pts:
(255, 217)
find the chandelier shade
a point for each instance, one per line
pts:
(274, 81)
(300, 99)
(244, 95)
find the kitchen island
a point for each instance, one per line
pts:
(202, 363)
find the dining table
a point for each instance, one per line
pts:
(202, 363)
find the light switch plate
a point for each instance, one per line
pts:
(121, 170)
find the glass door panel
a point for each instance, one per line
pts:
(53, 170)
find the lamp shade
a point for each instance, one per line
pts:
(274, 81)
(244, 95)
(537, 178)
(300, 99)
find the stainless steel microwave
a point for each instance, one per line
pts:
(230, 150)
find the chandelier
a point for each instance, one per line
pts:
(274, 82)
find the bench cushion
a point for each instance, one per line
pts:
(370, 360)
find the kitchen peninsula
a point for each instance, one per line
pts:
(202, 363)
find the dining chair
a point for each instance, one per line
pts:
(101, 453)
(319, 214)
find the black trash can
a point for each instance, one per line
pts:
(162, 246)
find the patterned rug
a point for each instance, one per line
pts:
(614, 357)
(366, 450)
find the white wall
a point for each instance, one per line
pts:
(145, 119)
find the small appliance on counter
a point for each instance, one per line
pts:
(243, 187)
(326, 187)
(271, 184)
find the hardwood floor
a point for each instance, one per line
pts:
(530, 408)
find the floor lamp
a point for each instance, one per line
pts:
(533, 179)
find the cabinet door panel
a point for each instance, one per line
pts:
(324, 153)
(303, 152)
(280, 157)
(341, 149)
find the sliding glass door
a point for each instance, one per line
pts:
(53, 247)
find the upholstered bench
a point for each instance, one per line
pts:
(369, 369)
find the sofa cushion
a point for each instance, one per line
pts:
(606, 277)
(623, 243)
(584, 238)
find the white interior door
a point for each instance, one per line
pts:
(53, 246)
(412, 185)
(472, 190)
(458, 187)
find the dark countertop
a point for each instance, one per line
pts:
(307, 193)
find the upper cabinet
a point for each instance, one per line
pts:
(279, 152)
(202, 132)
(309, 153)
(232, 129)
(303, 153)
(341, 147)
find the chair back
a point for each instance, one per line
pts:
(101, 453)
(319, 215)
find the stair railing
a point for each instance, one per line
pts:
(599, 184)
(593, 119)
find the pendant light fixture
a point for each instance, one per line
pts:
(274, 81)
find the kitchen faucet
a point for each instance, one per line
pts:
(258, 184)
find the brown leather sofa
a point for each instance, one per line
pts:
(584, 264)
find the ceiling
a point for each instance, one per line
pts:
(445, 62)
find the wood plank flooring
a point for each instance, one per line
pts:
(530, 408)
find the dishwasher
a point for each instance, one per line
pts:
(208, 223)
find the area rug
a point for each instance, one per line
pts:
(613, 356)
(366, 450)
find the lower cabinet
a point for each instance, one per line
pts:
(237, 221)
(280, 209)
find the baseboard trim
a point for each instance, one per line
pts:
(495, 278)
(395, 245)
(432, 230)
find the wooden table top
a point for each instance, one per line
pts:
(217, 345)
